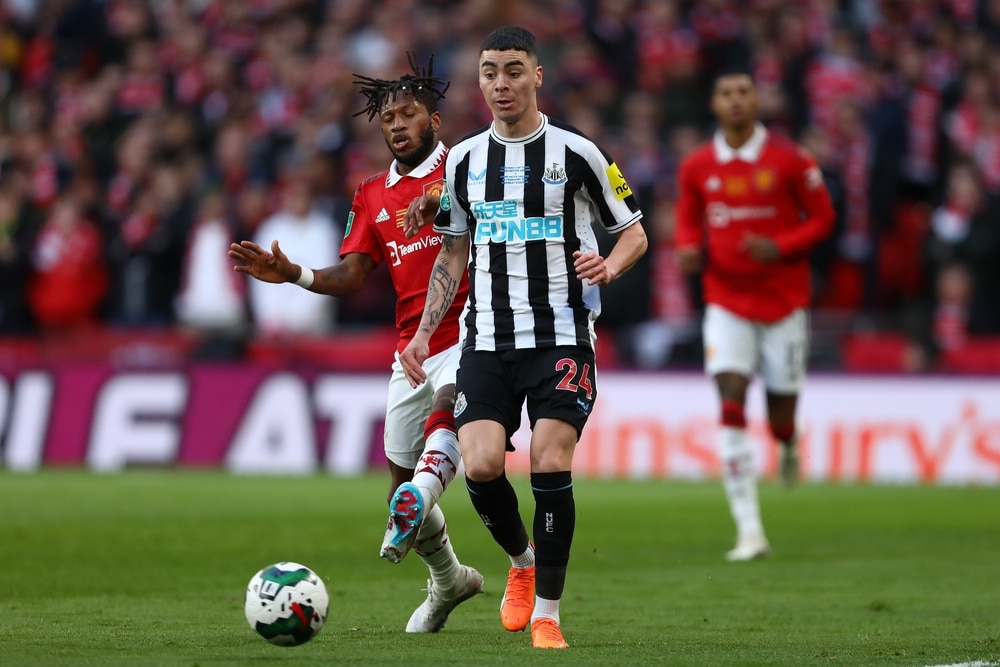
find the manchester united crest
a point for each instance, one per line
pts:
(434, 189)
(763, 180)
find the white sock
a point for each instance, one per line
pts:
(434, 548)
(525, 560)
(739, 480)
(437, 465)
(545, 609)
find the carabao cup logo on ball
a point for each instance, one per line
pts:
(500, 222)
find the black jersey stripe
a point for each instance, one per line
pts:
(503, 314)
(462, 184)
(536, 252)
(462, 196)
(578, 172)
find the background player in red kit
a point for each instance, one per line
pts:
(750, 207)
(420, 440)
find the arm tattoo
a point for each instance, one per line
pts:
(440, 293)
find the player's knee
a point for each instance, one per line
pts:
(481, 469)
(552, 458)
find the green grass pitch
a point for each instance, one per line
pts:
(149, 568)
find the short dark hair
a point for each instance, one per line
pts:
(425, 88)
(510, 38)
(732, 69)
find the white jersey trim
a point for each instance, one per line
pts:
(749, 152)
(514, 141)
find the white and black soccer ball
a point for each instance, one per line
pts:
(286, 603)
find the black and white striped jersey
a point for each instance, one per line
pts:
(528, 204)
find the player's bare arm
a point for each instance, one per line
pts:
(346, 278)
(597, 270)
(441, 289)
(341, 280)
(420, 213)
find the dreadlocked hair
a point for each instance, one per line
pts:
(422, 85)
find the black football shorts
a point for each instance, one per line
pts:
(554, 383)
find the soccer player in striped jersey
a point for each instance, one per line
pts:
(751, 204)
(420, 439)
(523, 195)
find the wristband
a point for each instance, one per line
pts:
(305, 278)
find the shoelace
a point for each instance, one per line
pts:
(431, 593)
(518, 585)
(548, 630)
(433, 597)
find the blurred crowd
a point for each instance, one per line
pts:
(138, 138)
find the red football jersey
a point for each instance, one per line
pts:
(769, 187)
(375, 228)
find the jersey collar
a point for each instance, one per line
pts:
(521, 140)
(748, 152)
(421, 170)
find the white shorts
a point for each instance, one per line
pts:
(777, 350)
(407, 408)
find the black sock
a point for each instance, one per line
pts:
(496, 503)
(555, 522)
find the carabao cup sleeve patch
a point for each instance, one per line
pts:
(445, 202)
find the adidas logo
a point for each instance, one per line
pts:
(382, 216)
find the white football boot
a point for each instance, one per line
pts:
(749, 547)
(432, 614)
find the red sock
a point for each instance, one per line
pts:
(783, 433)
(732, 414)
(438, 420)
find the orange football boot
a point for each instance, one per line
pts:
(518, 599)
(545, 633)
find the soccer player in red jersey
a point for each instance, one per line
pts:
(751, 205)
(420, 436)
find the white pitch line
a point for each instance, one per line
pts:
(977, 663)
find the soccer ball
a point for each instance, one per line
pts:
(286, 603)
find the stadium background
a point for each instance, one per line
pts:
(138, 138)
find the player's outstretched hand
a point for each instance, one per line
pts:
(420, 213)
(270, 267)
(591, 267)
(412, 359)
(761, 248)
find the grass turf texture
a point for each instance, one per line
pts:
(149, 568)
